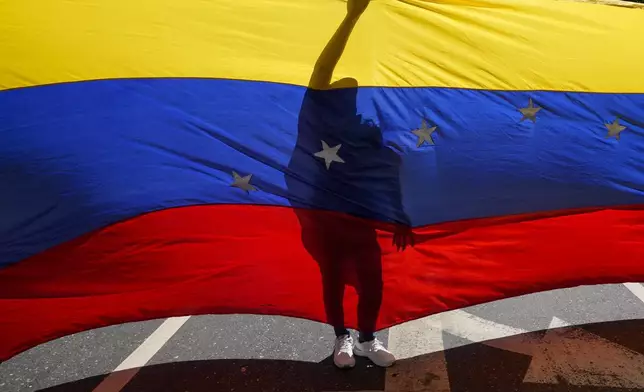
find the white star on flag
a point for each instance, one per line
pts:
(424, 134)
(615, 129)
(242, 182)
(530, 113)
(329, 154)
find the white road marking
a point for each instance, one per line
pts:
(556, 322)
(474, 328)
(424, 335)
(479, 330)
(637, 289)
(140, 357)
(417, 337)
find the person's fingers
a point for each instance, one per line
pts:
(403, 239)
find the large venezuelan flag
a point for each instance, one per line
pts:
(192, 157)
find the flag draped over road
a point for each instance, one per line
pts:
(214, 157)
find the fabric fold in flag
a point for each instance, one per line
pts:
(344, 163)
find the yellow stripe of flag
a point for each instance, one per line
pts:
(479, 44)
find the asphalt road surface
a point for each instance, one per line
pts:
(589, 338)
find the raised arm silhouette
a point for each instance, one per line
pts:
(330, 56)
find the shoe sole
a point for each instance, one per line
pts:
(377, 363)
(345, 366)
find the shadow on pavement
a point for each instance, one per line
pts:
(244, 375)
(602, 357)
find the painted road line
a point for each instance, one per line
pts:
(479, 330)
(424, 336)
(637, 289)
(417, 337)
(556, 322)
(122, 375)
(474, 328)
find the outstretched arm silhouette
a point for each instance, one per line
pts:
(326, 63)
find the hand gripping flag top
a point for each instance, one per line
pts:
(315, 159)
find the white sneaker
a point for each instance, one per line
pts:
(343, 352)
(376, 352)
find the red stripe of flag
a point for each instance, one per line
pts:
(252, 259)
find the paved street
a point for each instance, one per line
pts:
(589, 338)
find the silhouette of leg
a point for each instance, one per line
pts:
(321, 239)
(369, 270)
(333, 294)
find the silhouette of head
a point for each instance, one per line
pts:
(348, 83)
(344, 96)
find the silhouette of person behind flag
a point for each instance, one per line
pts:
(357, 183)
